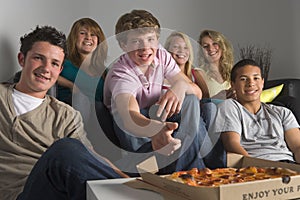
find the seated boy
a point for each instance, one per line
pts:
(252, 128)
(45, 153)
(134, 84)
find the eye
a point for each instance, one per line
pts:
(81, 32)
(38, 58)
(243, 79)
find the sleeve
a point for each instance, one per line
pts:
(287, 117)
(228, 117)
(74, 127)
(169, 64)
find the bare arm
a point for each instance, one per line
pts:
(65, 82)
(198, 74)
(231, 142)
(172, 100)
(141, 126)
(292, 138)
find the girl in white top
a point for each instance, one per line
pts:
(216, 61)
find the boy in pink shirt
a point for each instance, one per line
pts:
(147, 121)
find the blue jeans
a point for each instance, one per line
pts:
(216, 158)
(191, 132)
(62, 171)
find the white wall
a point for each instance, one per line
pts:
(261, 22)
(269, 22)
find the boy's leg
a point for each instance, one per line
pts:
(62, 172)
(193, 134)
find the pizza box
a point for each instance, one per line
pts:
(272, 189)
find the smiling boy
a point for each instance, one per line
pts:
(134, 84)
(252, 128)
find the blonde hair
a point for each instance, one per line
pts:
(74, 56)
(140, 20)
(226, 60)
(189, 63)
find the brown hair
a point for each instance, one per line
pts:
(141, 20)
(92, 26)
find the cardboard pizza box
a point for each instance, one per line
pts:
(272, 189)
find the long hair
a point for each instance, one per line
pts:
(189, 63)
(93, 26)
(226, 60)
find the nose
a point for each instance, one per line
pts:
(144, 44)
(88, 35)
(250, 82)
(46, 66)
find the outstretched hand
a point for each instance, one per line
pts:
(163, 142)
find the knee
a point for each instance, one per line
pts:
(65, 149)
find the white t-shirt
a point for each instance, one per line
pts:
(24, 103)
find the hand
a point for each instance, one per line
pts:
(230, 93)
(170, 103)
(163, 142)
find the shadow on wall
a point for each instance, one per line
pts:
(8, 65)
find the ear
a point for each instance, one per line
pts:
(21, 59)
(123, 46)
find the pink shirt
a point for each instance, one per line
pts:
(126, 77)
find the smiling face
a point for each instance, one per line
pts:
(211, 49)
(248, 84)
(86, 42)
(41, 68)
(141, 47)
(179, 51)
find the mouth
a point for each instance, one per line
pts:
(41, 77)
(145, 56)
(88, 43)
(180, 56)
(250, 92)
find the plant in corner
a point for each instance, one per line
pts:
(261, 55)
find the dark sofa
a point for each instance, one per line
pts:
(291, 87)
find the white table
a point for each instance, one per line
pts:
(115, 189)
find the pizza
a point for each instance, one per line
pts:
(221, 176)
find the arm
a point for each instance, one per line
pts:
(292, 138)
(65, 82)
(198, 74)
(172, 100)
(141, 126)
(231, 142)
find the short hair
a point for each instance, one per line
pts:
(141, 20)
(243, 63)
(43, 34)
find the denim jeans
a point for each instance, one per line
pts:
(62, 171)
(191, 132)
(216, 158)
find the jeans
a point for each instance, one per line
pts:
(216, 158)
(191, 132)
(62, 172)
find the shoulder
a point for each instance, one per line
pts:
(280, 110)
(60, 108)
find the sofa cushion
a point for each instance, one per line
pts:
(291, 87)
(268, 95)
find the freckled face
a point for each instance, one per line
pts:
(41, 68)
